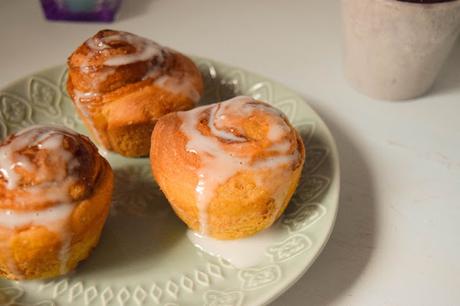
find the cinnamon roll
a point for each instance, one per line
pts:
(228, 169)
(121, 84)
(55, 193)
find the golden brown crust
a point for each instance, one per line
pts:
(245, 203)
(115, 101)
(31, 250)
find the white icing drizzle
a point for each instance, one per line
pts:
(217, 164)
(55, 217)
(86, 112)
(101, 76)
(96, 44)
(281, 147)
(12, 219)
(145, 50)
(10, 160)
(53, 192)
(153, 72)
(79, 95)
(212, 157)
(178, 86)
(215, 124)
(241, 253)
(277, 131)
(103, 151)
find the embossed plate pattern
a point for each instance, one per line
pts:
(144, 257)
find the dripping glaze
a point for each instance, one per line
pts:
(231, 250)
(218, 165)
(85, 109)
(56, 217)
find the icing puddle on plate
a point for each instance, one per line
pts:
(241, 253)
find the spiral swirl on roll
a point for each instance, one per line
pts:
(240, 144)
(94, 64)
(45, 165)
(46, 172)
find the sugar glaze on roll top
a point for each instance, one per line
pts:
(143, 50)
(49, 186)
(218, 164)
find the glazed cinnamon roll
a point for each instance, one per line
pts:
(228, 169)
(55, 192)
(121, 84)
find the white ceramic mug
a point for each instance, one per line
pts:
(394, 50)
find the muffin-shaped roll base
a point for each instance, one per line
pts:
(36, 251)
(230, 171)
(240, 207)
(52, 217)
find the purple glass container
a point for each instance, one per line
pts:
(81, 10)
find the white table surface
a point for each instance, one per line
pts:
(397, 236)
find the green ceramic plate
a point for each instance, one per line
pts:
(144, 256)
